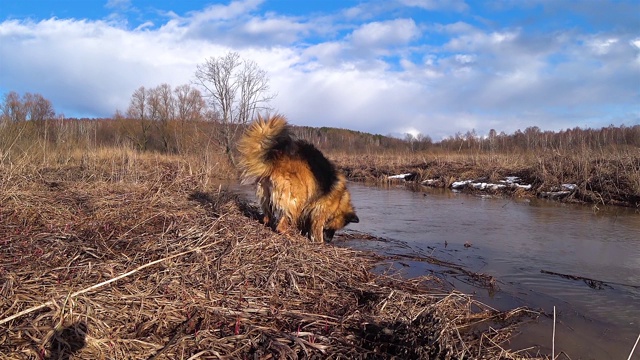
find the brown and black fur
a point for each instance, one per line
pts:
(297, 187)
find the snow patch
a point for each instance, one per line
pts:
(460, 184)
(399, 176)
(430, 182)
(508, 182)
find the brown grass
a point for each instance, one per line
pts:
(222, 285)
(609, 177)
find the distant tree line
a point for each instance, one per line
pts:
(334, 139)
(534, 139)
(172, 120)
(169, 120)
(531, 139)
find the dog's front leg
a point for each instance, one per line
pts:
(317, 233)
(283, 225)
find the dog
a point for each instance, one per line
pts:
(296, 185)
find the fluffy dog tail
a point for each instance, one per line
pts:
(261, 144)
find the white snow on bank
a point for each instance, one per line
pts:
(485, 186)
(400, 176)
(508, 182)
(460, 184)
(511, 179)
(559, 193)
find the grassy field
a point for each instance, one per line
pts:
(111, 253)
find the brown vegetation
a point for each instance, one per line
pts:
(604, 163)
(607, 177)
(113, 253)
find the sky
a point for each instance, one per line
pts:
(435, 67)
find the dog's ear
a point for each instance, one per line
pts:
(352, 218)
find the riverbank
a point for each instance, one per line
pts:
(597, 178)
(123, 255)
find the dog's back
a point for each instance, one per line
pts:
(296, 185)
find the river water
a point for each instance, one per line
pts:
(514, 241)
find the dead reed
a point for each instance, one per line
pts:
(134, 257)
(605, 176)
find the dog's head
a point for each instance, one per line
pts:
(343, 216)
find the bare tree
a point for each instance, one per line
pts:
(12, 107)
(30, 107)
(162, 110)
(138, 110)
(38, 107)
(189, 108)
(410, 139)
(236, 90)
(189, 104)
(424, 141)
(162, 103)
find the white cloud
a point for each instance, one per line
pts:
(379, 75)
(352, 99)
(476, 40)
(465, 59)
(602, 46)
(327, 53)
(225, 12)
(283, 30)
(458, 27)
(238, 24)
(144, 25)
(385, 33)
(91, 67)
(118, 4)
(457, 5)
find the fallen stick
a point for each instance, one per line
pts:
(634, 347)
(93, 287)
(593, 283)
(478, 279)
(553, 336)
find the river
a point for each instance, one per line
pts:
(514, 241)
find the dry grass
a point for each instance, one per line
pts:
(603, 177)
(204, 280)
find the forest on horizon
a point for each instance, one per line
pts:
(173, 120)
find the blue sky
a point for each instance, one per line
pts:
(437, 67)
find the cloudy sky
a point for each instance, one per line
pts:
(381, 66)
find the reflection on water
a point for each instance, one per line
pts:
(513, 241)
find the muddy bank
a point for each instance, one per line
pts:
(605, 183)
(155, 267)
